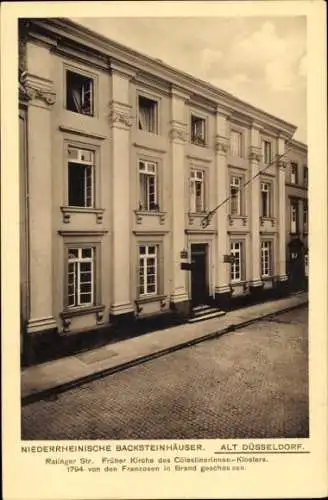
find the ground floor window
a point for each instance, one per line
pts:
(148, 270)
(80, 278)
(236, 263)
(266, 258)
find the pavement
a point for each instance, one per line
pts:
(43, 380)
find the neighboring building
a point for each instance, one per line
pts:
(297, 225)
(122, 158)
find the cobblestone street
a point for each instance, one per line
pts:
(251, 383)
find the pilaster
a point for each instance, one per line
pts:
(282, 210)
(120, 121)
(254, 162)
(178, 138)
(40, 96)
(222, 278)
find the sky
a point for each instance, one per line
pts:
(261, 60)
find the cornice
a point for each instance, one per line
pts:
(67, 31)
(300, 146)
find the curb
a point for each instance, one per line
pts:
(52, 391)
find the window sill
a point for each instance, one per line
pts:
(140, 214)
(80, 311)
(199, 144)
(68, 211)
(67, 314)
(233, 218)
(196, 215)
(268, 219)
(148, 300)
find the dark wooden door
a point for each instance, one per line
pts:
(199, 284)
(296, 266)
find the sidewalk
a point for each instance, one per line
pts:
(40, 381)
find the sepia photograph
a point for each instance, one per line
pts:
(164, 253)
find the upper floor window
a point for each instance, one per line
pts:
(148, 185)
(236, 264)
(80, 177)
(293, 173)
(236, 144)
(198, 130)
(148, 269)
(293, 216)
(266, 258)
(197, 201)
(267, 152)
(235, 195)
(305, 176)
(80, 278)
(147, 115)
(305, 216)
(79, 93)
(265, 199)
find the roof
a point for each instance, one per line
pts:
(65, 33)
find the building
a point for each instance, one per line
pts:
(123, 163)
(297, 215)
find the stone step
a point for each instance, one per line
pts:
(214, 313)
(208, 310)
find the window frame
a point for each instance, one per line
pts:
(242, 262)
(293, 173)
(305, 218)
(240, 153)
(157, 263)
(92, 164)
(77, 272)
(145, 207)
(193, 190)
(266, 142)
(305, 176)
(83, 75)
(269, 202)
(240, 210)
(202, 141)
(156, 120)
(294, 203)
(270, 263)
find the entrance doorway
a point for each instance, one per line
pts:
(199, 280)
(296, 268)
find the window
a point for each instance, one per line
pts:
(198, 136)
(266, 258)
(306, 264)
(236, 144)
(236, 264)
(79, 93)
(80, 282)
(293, 216)
(80, 177)
(305, 216)
(148, 185)
(147, 115)
(305, 176)
(197, 191)
(293, 173)
(235, 195)
(266, 152)
(148, 257)
(265, 199)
